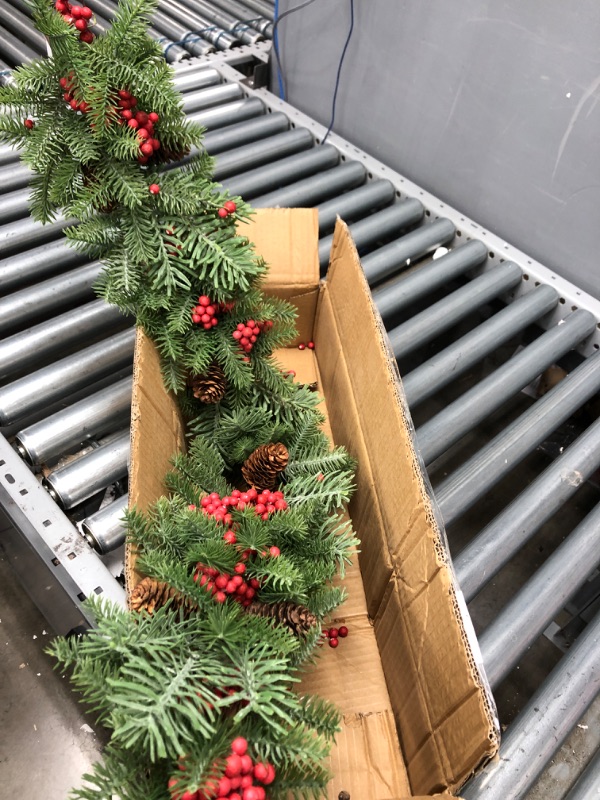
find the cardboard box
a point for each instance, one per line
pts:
(418, 718)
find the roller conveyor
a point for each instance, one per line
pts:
(471, 324)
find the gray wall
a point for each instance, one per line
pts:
(492, 105)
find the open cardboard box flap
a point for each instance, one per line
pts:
(418, 718)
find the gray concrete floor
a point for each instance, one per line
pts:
(46, 741)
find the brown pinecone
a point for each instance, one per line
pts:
(262, 467)
(150, 595)
(297, 618)
(210, 387)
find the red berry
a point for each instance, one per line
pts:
(86, 12)
(251, 794)
(246, 781)
(271, 776)
(224, 787)
(154, 188)
(29, 124)
(87, 37)
(230, 537)
(222, 212)
(74, 104)
(343, 632)
(133, 101)
(67, 97)
(133, 123)
(63, 83)
(246, 761)
(147, 150)
(154, 142)
(301, 346)
(239, 746)
(234, 766)
(275, 551)
(142, 132)
(81, 24)
(220, 597)
(76, 11)
(311, 345)
(69, 18)
(240, 568)
(260, 772)
(187, 795)
(250, 593)
(60, 7)
(126, 114)
(153, 116)
(221, 583)
(333, 643)
(230, 206)
(235, 796)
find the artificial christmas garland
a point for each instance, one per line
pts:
(196, 680)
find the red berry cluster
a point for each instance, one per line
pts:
(240, 781)
(310, 345)
(333, 635)
(141, 122)
(205, 313)
(264, 504)
(67, 85)
(78, 16)
(221, 585)
(226, 209)
(248, 332)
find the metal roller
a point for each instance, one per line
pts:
(5, 73)
(14, 176)
(228, 114)
(457, 358)
(241, 133)
(86, 476)
(442, 431)
(439, 317)
(221, 39)
(499, 541)
(61, 379)
(258, 181)
(8, 154)
(261, 7)
(402, 291)
(247, 15)
(389, 259)
(542, 726)
(48, 297)
(306, 193)
(532, 609)
(37, 263)
(356, 203)
(28, 348)
(23, 233)
(176, 32)
(105, 530)
(14, 205)
(172, 51)
(92, 417)
(588, 782)
(21, 26)
(196, 79)
(244, 32)
(212, 96)
(376, 227)
(14, 51)
(457, 493)
(241, 159)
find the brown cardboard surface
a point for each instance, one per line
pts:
(437, 693)
(294, 266)
(406, 666)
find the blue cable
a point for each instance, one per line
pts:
(339, 72)
(276, 46)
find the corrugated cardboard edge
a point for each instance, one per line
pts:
(154, 440)
(342, 242)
